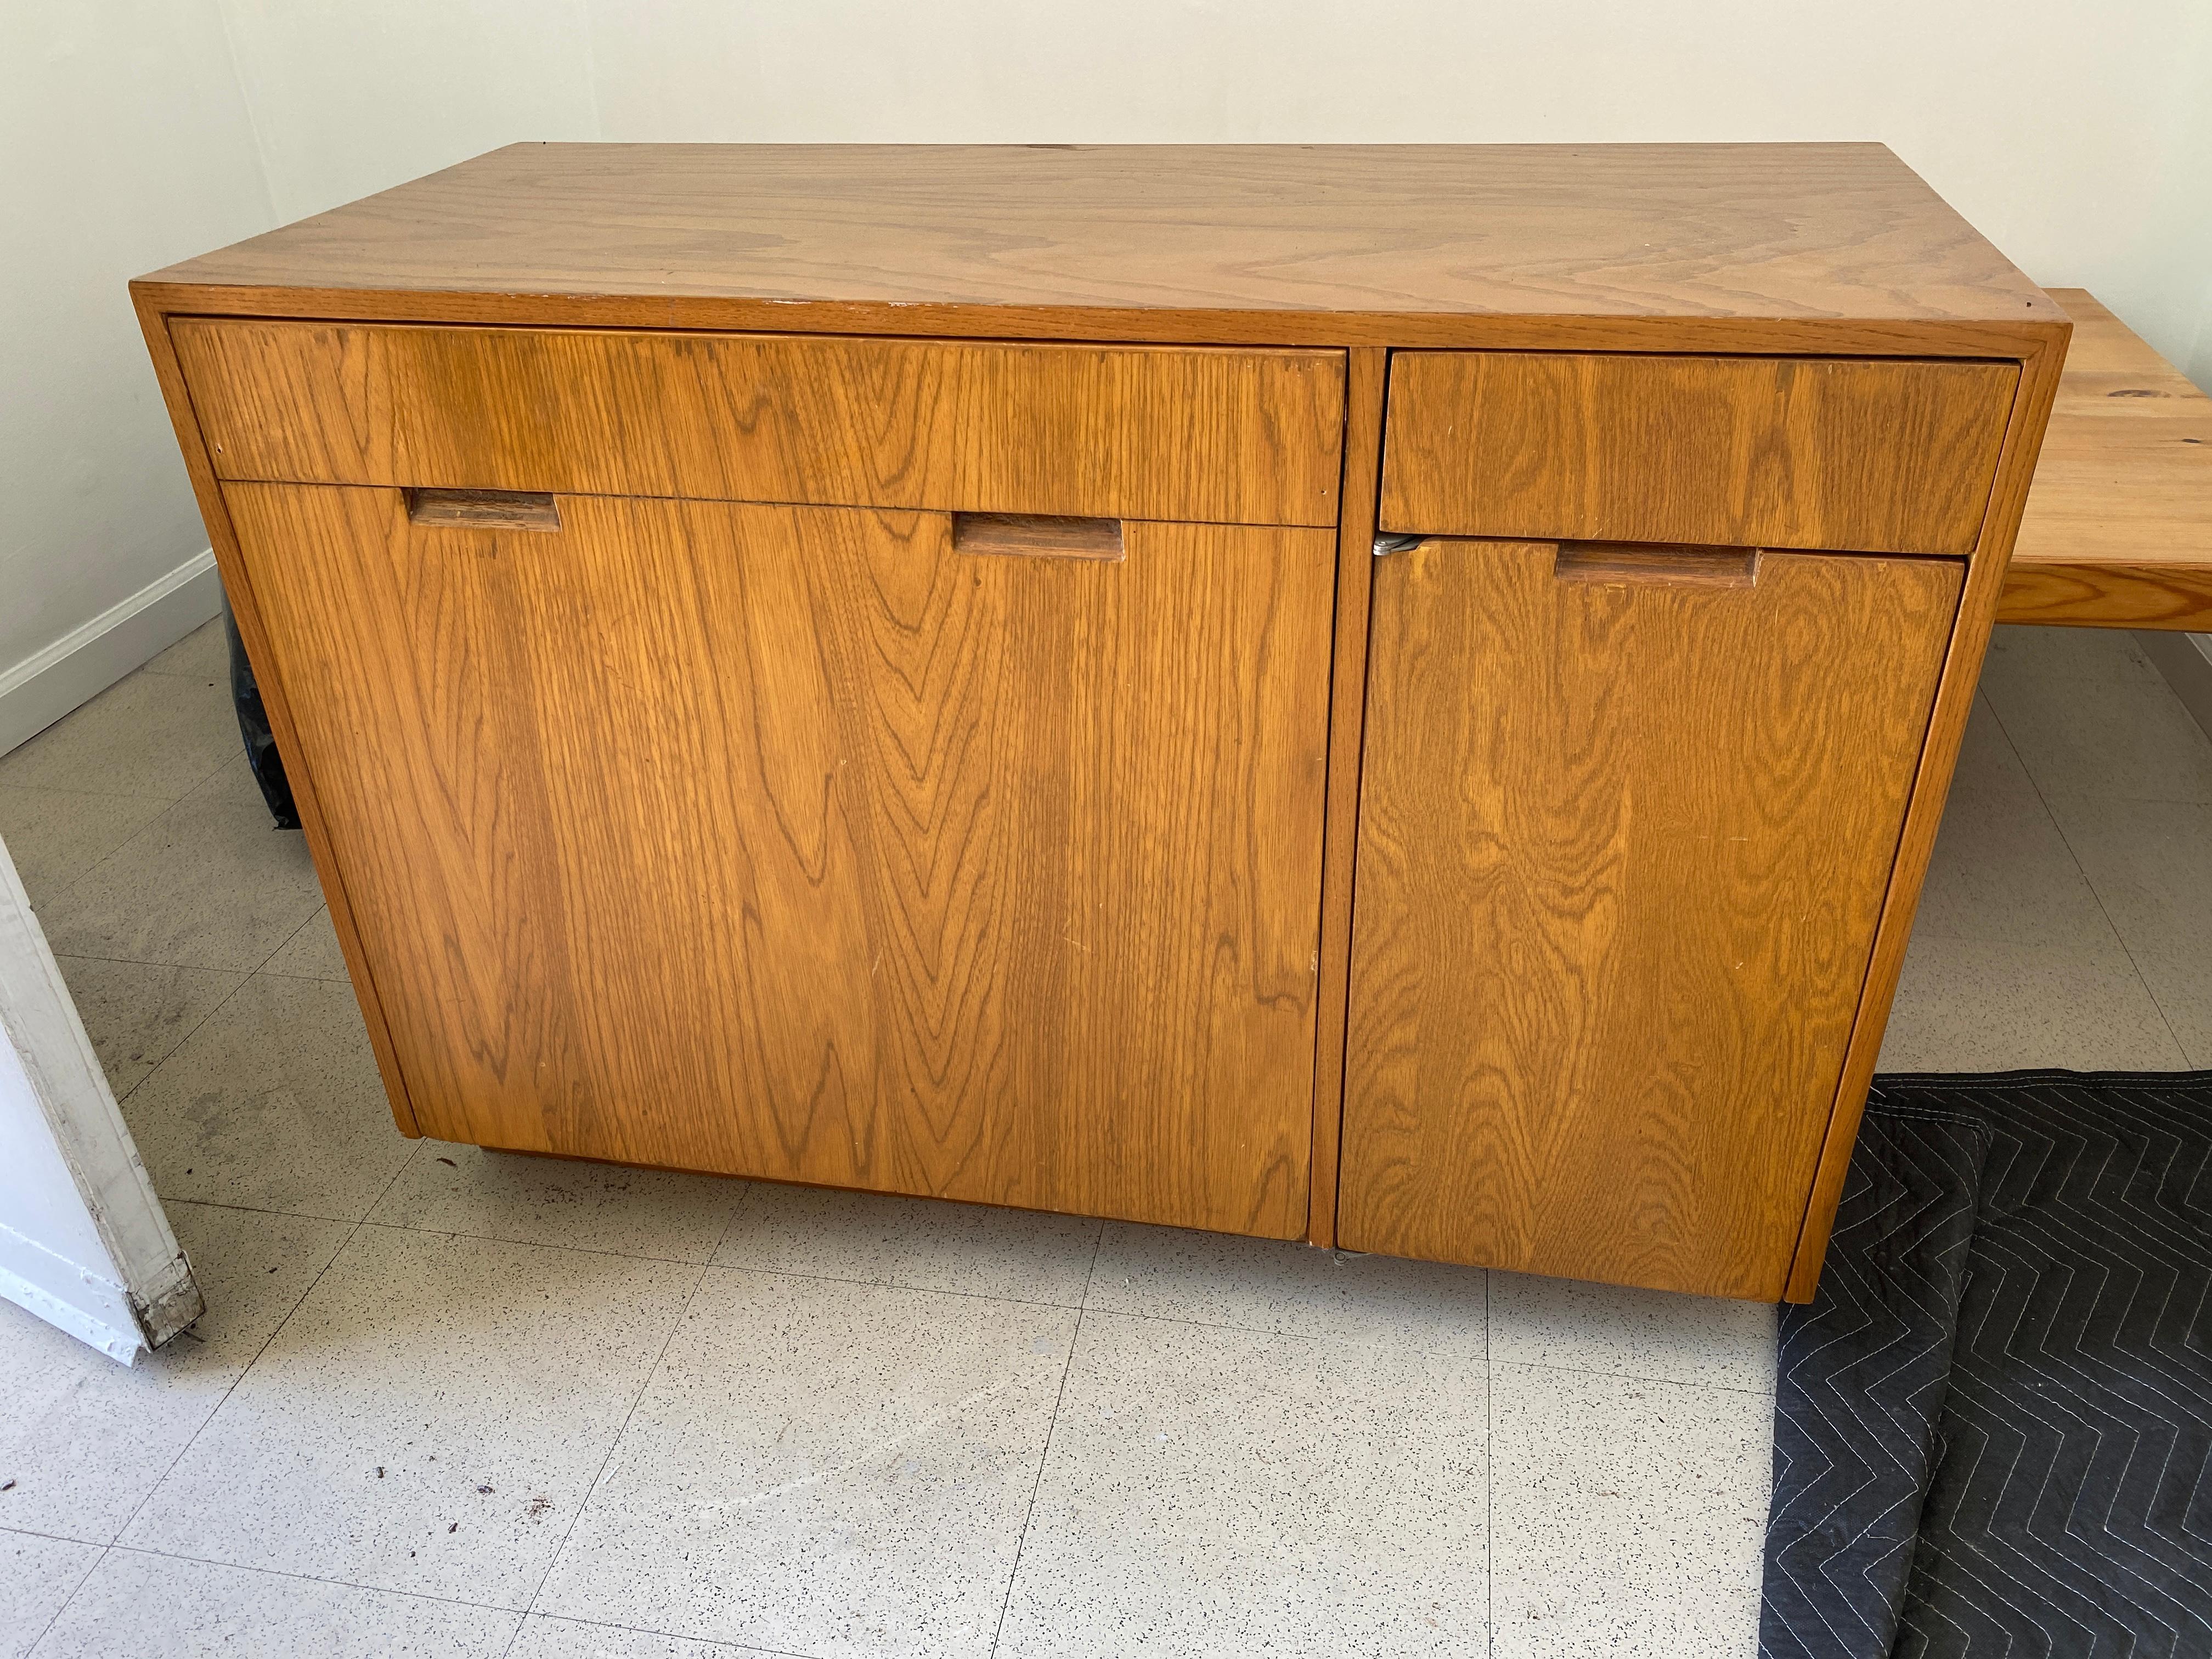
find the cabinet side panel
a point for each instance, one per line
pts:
(1978, 609)
(239, 592)
(1625, 839)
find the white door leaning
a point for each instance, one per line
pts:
(84, 1244)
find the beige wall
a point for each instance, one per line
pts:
(2077, 136)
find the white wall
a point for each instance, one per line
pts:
(2077, 135)
(353, 96)
(139, 132)
(127, 146)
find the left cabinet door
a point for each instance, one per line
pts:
(791, 842)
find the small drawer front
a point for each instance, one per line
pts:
(1876, 455)
(1137, 432)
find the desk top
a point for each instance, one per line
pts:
(2118, 527)
(1300, 243)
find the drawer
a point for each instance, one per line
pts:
(1878, 455)
(1138, 432)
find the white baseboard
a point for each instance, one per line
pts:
(85, 661)
(2186, 659)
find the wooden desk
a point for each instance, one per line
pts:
(2119, 528)
(1400, 696)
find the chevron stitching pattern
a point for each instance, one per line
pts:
(1993, 1426)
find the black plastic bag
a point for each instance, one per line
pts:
(253, 725)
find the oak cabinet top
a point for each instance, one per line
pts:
(1319, 243)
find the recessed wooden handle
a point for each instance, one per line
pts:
(1036, 535)
(483, 509)
(1645, 561)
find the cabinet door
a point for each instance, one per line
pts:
(793, 842)
(1628, 819)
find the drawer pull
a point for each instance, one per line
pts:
(1643, 562)
(483, 509)
(1036, 535)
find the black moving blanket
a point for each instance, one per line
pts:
(1993, 1426)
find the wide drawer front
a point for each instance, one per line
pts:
(1138, 432)
(1876, 455)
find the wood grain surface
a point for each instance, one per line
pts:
(1089, 431)
(907, 239)
(1623, 848)
(1947, 729)
(245, 608)
(787, 842)
(1829, 452)
(1035, 536)
(2118, 532)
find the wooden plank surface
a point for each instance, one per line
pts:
(2119, 528)
(789, 842)
(1229, 436)
(925, 239)
(1826, 453)
(1617, 894)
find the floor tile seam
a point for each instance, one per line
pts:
(260, 1209)
(192, 1439)
(1044, 1458)
(2167, 694)
(614, 1442)
(747, 1648)
(1317, 1337)
(370, 1220)
(7, 1529)
(353, 1232)
(1633, 1376)
(166, 800)
(177, 1047)
(67, 1601)
(2089, 881)
(169, 803)
(150, 666)
(118, 1548)
(96, 794)
(890, 1285)
(148, 962)
(306, 922)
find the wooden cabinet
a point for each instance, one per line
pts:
(1628, 819)
(867, 666)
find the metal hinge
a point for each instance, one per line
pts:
(1386, 545)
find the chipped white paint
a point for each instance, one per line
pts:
(84, 1244)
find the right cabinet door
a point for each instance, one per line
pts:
(1628, 819)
